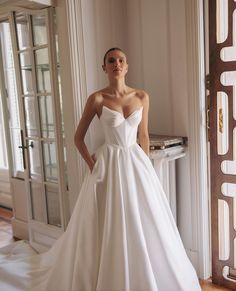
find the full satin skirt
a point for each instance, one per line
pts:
(121, 237)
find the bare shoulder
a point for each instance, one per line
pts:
(143, 96)
(95, 99)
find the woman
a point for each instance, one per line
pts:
(138, 244)
(118, 97)
(122, 235)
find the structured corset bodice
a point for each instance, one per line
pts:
(118, 130)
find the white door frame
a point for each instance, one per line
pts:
(198, 131)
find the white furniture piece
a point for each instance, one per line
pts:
(164, 162)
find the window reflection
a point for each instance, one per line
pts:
(42, 70)
(39, 30)
(26, 73)
(22, 29)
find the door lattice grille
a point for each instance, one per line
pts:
(222, 48)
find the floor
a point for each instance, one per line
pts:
(206, 285)
(6, 237)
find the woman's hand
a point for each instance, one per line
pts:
(93, 164)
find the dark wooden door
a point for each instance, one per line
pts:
(222, 49)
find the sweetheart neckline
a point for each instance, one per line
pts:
(121, 114)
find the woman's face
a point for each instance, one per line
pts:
(116, 65)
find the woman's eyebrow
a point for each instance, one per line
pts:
(116, 58)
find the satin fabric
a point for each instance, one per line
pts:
(121, 236)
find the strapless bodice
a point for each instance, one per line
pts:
(118, 130)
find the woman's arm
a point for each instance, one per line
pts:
(89, 112)
(143, 126)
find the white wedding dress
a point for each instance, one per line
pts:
(121, 236)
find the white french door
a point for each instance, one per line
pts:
(35, 131)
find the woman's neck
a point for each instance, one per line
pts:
(117, 87)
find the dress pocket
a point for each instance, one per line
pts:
(99, 167)
(95, 165)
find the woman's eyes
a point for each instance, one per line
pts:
(112, 60)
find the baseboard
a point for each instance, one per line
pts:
(6, 200)
(20, 229)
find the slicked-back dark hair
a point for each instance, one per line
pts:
(110, 50)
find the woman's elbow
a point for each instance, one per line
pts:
(77, 141)
(144, 137)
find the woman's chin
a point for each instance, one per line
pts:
(118, 74)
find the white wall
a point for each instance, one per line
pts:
(158, 63)
(157, 58)
(153, 33)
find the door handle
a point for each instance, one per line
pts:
(207, 118)
(221, 120)
(23, 147)
(31, 145)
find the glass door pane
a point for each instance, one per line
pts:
(22, 27)
(43, 73)
(39, 29)
(26, 72)
(46, 116)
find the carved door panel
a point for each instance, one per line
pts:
(222, 50)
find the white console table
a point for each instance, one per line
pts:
(164, 161)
